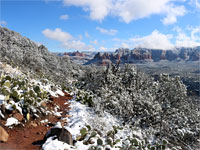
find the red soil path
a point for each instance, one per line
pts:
(21, 138)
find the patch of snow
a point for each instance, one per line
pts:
(36, 116)
(59, 92)
(18, 108)
(83, 115)
(11, 121)
(44, 121)
(54, 144)
(52, 93)
(1, 114)
(11, 104)
(9, 70)
(58, 114)
(48, 112)
(58, 125)
(2, 98)
(48, 88)
(9, 107)
(81, 146)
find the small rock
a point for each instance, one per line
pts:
(63, 122)
(25, 136)
(108, 147)
(51, 124)
(43, 104)
(3, 110)
(91, 141)
(18, 116)
(68, 116)
(3, 135)
(61, 133)
(34, 124)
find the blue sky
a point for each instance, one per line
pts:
(104, 25)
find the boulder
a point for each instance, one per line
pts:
(3, 135)
(33, 124)
(61, 134)
(18, 116)
(43, 104)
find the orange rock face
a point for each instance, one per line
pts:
(3, 135)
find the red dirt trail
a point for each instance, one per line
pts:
(21, 138)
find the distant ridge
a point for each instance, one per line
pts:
(142, 55)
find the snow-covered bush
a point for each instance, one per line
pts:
(141, 100)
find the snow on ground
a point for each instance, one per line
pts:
(48, 88)
(81, 115)
(11, 121)
(2, 97)
(8, 69)
(52, 144)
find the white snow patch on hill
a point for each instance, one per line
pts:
(81, 115)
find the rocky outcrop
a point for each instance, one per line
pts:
(3, 135)
(21, 51)
(18, 116)
(141, 55)
(78, 57)
(61, 134)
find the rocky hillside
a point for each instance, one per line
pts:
(20, 51)
(141, 55)
(111, 108)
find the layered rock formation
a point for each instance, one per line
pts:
(21, 51)
(141, 55)
(77, 54)
(78, 57)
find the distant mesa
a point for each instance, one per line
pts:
(78, 57)
(77, 54)
(142, 55)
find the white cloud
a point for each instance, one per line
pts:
(57, 34)
(172, 13)
(105, 31)
(125, 45)
(64, 17)
(128, 10)
(87, 34)
(155, 40)
(77, 45)
(3, 23)
(184, 40)
(80, 36)
(94, 42)
(196, 3)
(102, 48)
(66, 39)
(98, 8)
